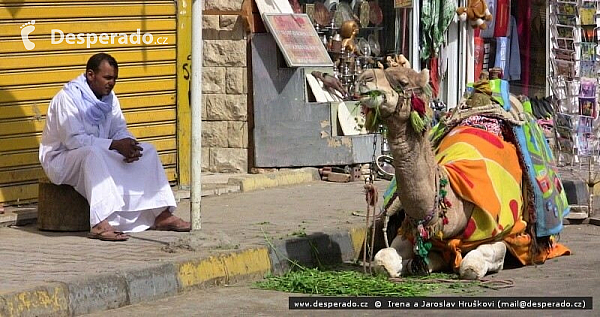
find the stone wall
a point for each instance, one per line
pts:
(225, 88)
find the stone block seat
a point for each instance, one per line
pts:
(61, 208)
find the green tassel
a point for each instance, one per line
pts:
(438, 132)
(417, 122)
(372, 120)
(423, 248)
(428, 90)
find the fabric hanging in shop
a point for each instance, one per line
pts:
(502, 18)
(479, 54)
(524, 30)
(508, 54)
(436, 16)
(434, 76)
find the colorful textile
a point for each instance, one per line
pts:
(500, 92)
(502, 18)
(549, 199)
(436, 16)
(499, 89)
(489, 124)
(389, 192)
(485, 170)
(524, 17)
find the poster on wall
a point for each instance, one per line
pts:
(297, 40)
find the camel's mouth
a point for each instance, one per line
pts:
(371, 98)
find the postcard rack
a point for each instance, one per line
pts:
(573, 78)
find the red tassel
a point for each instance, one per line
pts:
(417, 105)
(445, 220)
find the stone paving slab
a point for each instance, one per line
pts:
(64, 273)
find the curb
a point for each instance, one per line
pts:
(113, 290)
(234, 184)
(280, 178)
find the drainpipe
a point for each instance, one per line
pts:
(196, 113)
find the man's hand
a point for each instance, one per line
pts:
(129, 148)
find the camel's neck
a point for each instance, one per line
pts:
(415, 167)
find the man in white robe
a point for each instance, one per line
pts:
(86, 144)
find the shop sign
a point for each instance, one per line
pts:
(402, 4)
(297, 39)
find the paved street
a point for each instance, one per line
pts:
(229, 222)
(575, 275)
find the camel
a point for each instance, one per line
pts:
(429, 217)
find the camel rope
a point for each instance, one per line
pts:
(487, 283)
(371, 194)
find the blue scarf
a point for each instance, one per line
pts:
(95, 110)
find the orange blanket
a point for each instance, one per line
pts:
(484, 169)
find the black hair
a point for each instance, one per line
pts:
(96, 59)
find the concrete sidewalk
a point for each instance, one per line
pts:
(245, 234)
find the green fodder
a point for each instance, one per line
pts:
(353, 283)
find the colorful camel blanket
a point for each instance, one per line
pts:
(549, 203)
(483, 169)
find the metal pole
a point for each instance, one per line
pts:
(196, 113)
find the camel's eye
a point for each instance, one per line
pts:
(404, 82)
(367, 77)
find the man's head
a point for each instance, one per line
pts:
(102, 72)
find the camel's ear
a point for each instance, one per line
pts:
(396, 76)
(423, 79)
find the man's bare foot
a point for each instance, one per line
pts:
(105, 232)
(166, 221)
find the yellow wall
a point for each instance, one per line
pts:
(146, 87)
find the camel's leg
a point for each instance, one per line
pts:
(405, 250)
(387, 260)
(437, 262)
(394, 259)
(486, 258)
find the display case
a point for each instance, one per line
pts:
(292, 127)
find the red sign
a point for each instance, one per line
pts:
(297, 40)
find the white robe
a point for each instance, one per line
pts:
(75, 152)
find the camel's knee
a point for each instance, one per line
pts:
(388, 260)
(487, 258)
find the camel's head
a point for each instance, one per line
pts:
(389, 92)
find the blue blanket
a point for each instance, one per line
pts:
(549, 198)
